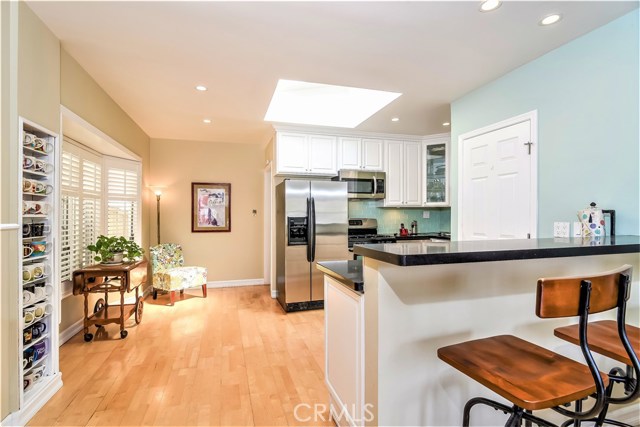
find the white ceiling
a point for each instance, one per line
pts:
(148, 56)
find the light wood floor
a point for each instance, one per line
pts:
(234, 358)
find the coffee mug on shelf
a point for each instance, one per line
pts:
(39, 292)
(31, 207)
(28, 381)
(28, 315)
(29, 357)
(39, 229)
(39, 270)
(28, 139)
(33, 271)
(42, 145)
(28, 186)
(28, 297)
(42, 166)
(38, 329)
(26, 230)
(42, 309)
(40, 247)
(38, 372)
(27, 251)
(27, 273)
(40, 350)
(28, 162)
(42, 188)
(27, 335)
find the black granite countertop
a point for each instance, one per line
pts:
(349, 273)
(427, 252)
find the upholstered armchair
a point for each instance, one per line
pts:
(170, 274)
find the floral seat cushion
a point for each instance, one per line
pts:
(169, 272)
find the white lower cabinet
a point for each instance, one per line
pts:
(344, 353)
(404, 172)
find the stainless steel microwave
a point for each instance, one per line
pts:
(363, 185)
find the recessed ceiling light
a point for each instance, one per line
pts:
(551, 19)
(395, 119)
(207, 121)
(489, 5)
(325, 105)
(446, 124)
(201, 88)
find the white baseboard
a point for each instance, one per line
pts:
(42, 396)
(274, 293)
(234, 283)
(68, 333)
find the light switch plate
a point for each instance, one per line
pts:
(577, 229)
(425, 214)
(561, 229)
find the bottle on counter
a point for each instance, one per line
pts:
(414, 227)
(403, 231)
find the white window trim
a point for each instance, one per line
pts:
(105, 162)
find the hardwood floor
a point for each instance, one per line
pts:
(234, 358)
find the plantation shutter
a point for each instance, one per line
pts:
(123, 198)
(80, 179)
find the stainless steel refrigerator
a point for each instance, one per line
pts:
(311, 226)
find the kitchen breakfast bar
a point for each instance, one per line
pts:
(387, 315)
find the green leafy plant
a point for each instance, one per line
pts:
(110, 248)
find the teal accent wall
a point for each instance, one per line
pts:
(389, 219)
(586, 93)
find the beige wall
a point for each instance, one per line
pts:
(34, 93)
(174, 166)
(83, 96)
(38, 76)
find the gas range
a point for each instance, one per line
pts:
(365, 230)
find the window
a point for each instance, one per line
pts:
(92, 184)
(123, 198)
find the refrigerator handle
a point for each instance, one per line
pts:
(309, 230)
(312, 244)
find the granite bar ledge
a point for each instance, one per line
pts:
(348, 273)
(428, 253)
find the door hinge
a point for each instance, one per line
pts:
(528, 235)
(529, 144)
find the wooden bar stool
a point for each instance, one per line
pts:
(605, 338)
(532, 377)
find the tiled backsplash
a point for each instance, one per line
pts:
(389, 219)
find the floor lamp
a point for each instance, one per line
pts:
(158, 194)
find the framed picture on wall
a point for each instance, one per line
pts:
(210, 207)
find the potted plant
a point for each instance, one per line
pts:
(113, 250)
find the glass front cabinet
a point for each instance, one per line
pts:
(436, 172)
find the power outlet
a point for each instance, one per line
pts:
(577, 229)
(561, 229)
(425, 214)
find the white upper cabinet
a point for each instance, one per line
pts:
(304, 154)
(404, 177)
(362, 154)
(372, 154)
(435, 169)
(412, 174)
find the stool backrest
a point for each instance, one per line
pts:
(560, 297)
(582, 296)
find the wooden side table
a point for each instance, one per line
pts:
(101, 278)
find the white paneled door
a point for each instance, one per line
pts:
(497, 186)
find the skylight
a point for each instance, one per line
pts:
(325, 105)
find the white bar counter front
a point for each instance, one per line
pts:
(383, 329)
